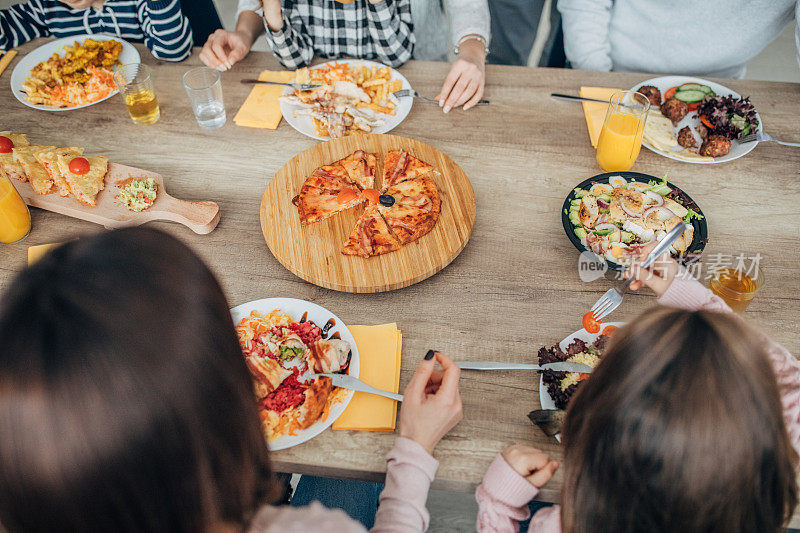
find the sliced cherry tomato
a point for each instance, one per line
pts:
(6, 145)
(79, 165)
(372, 195)
(590, 324)
(582, 376)
(609, 330)
(670, 93)
(344, 196)
(694, 106)
(706, 123)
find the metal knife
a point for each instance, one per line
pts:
(298, 86)
(564, 366)
(349, 382)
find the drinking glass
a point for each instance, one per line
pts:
(737, 288)
(204, 87)
(15, 219)
(136, 86)
(621, 136)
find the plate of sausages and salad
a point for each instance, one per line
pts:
(696, 120)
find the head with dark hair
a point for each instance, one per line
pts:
(679, 429)
(125, 403)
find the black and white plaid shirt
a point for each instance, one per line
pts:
(327, 28)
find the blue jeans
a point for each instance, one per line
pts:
(534, 507)
(359, 499)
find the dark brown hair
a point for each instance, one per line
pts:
(679, 429)
(125, 404)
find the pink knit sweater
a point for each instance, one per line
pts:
(504, 495)
(409, 472)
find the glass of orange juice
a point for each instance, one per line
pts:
(15, 219)
(621, 137)
(737, 288)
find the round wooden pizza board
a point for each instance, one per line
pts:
(314, 253)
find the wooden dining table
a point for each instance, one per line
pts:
(514, 288)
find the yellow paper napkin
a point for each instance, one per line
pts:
(596, 112)
(379, 349)
(36, 252)
(261, 109)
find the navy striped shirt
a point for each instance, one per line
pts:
(160, 24)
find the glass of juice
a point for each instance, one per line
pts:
(15, 219)
(737, 288)
(204, 87)
(621, 136)
(135, 83)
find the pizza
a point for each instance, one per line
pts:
(408, 208)
(281, 355)
(371, 236)
(415, 209)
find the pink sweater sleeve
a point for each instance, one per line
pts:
(688, 293)
(503, 498)
(410, 469)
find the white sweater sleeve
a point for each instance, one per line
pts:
(248, 5)
(468, 17)
(586, 25)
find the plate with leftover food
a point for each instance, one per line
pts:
(557, 388)
(71, 73)
(354, 96)
(284, 341)
(368, 213)
(66, 180)
(612, 214)
(696, 120)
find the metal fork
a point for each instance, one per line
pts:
(411, 92)
(613, 297)
(761, 136)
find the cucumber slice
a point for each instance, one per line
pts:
(573, 217)
(695, 87)
(576, 201)
(579, 193)
(604, 232)
(690, 97)
(605, 197)
(580, 233)
(627, 236)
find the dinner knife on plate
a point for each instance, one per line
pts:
(298, 86)
(349, 382)
(562, 366)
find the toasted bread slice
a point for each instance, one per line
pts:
(85, 186)
(49, 158)
(7, 161)
(34, 170)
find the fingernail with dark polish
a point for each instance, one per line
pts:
(430, 354)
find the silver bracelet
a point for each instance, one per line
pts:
(480, 38)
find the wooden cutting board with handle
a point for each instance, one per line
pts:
(200, 217)
(313, 252)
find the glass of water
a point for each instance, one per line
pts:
(204, 87)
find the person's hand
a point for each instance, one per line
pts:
(431, 402)
(464, 84)
(532, 464)
(658, 276)
(224, 48)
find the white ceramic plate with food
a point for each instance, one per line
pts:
(545, 400)
(319, 315)
(664, 83)
(23, 69)
(303, 123)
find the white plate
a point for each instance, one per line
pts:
(664, 83)
(319, 315)
(303, 124)
(23, 69)
(545, 399)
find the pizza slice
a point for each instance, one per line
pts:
(35, 172)
(49, 158)
(415, 209)
(360, 167)
(7, 161)
(371, 236)
(322, 197)
(399, 166)
(332, 171)
(89, 179)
